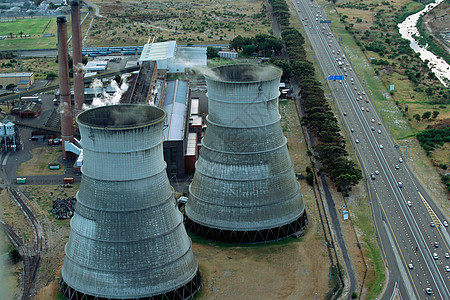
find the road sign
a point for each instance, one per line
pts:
(335, 77)
(325, 21)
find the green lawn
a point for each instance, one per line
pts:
(35, 28)
(30, 26)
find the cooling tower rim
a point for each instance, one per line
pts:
(297, 192)
(90, 118)
(240, 101)
(248, 127)
(80, 201)
(253, 228)
(145, 296)
(111, 242)
(246, 153)
(268, 72)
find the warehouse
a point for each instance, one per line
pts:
(23, 79)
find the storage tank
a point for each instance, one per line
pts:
(2, 129)
(127, 239)
(244, 189)
(9, 128)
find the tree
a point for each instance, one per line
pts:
(211, 52)
(284, 65)
(435, 114)
(417, 117)
(117, 78)
(426, 115)
(10, 86)
(51, 76)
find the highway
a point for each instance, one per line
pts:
(402, 209)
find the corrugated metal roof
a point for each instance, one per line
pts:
(158, 51)
(190, 56)
(195, 106)
(15, 74)
(191, 143)
(175, 108)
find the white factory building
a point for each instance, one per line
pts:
(173, 59)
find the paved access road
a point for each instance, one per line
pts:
(401, 207)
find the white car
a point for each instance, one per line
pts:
(400, 159)
(353, 130)
(447, 268)
(429, 291)
(379, 131)
(435, 256)
(397, 167)
(411, 266)
(381, 146)
(445, 223)
(357, 141)
(362, 108)
(408, 203)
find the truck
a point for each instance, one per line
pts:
(69, 180)
(54, 166)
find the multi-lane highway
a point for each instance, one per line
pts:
(410, 227)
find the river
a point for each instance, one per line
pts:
(408, 29)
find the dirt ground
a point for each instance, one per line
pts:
(438, 23)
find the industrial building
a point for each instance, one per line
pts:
(244, 188)
(22, 80)
(127, 239)
(172, 59)
(9, 136)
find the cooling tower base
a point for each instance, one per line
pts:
(294, 229)
(186, 291)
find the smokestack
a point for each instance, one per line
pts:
(64, 86)
(78, 85)
(244, 189)
(127, 239)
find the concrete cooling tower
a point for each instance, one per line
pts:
(244, 189)
(127, 239)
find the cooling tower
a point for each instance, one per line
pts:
(127, 239)
(78, 84)
(64, 86)
(244, 189)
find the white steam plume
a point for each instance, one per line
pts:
(105, 98)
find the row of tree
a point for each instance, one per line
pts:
(319, 118)
(428, 139)
(264, 44)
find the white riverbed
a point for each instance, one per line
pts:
(408, 29)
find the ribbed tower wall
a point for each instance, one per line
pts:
(127, 239)
(244, 189)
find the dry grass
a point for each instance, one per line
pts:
(199, 21)
(38, 164)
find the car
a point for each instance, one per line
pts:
(359, 93)
(432, 224)
(345, 113)
(356, 88)
(381, 146)
(353, 130)
(436, 244)
(357, 99)
(435, 256)
(352, 70)
(410, 266)
(379, 131)
(377, 173)
(372, 128)
(400, 184)
(445, 223)
(364, 93)
(328, 44)
(353, 83)
(373, 121)
(357, 141)
(379, 123)
(446, 255)
(397, 167)
(447, 268)
(367, 100)
(429, 291)
(372, 176)
(400, 159)
(408, 203)
(367, 109)
(362, 108)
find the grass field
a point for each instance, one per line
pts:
(38, 164)
(32, 30)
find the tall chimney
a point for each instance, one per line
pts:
(78, 85)
(64, 85)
